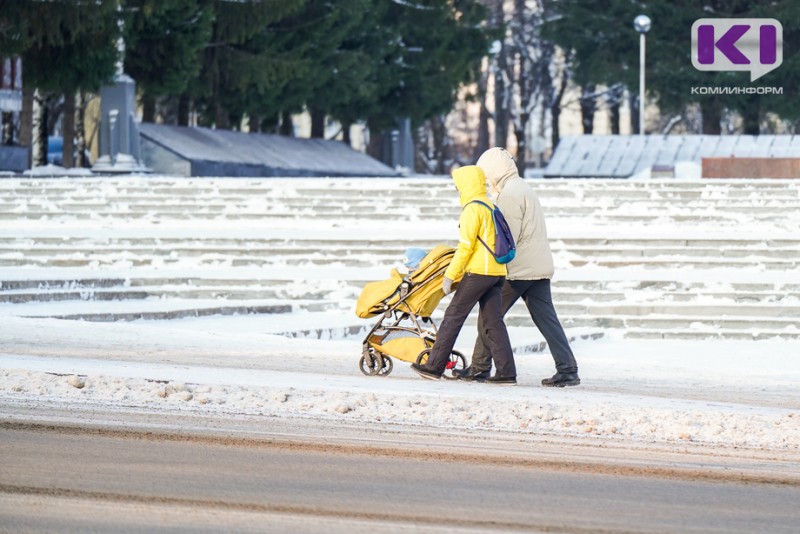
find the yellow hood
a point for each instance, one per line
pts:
(470, 182)
(475, 221)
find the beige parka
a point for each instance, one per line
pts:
(520, 206)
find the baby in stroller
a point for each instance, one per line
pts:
(405, 329)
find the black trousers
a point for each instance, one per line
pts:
(537, 297)
(485, 291)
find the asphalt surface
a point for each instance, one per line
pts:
(85, 478)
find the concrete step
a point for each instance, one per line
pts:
(567, 302)
(183, 293)
(132, 261)
(753, 325)
(576, 256)
(228, 186)
(14, 297)
(703, 309)
(109, 317)
(636, 333)
(387, 213)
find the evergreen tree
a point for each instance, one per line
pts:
(242, 60)
(430, 48)
(163, 44)
(340, 61)
(67, 47)
(436, 47)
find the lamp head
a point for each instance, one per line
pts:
(642, 23)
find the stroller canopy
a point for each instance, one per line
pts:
(421, 295)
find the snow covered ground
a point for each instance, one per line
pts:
(713, 391)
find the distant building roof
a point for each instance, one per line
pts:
(206, 152)
(621, 156)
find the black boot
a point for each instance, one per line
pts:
(559, 380)
(471, 374)
(502, 380)
(424, 372)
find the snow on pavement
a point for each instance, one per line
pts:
(717, 393)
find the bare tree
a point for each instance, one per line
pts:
(531, 71)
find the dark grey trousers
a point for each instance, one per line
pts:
(536, 294)
(484, 291)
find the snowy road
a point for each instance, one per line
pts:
(157, 480)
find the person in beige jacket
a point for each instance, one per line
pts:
(529, 273)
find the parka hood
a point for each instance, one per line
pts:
(470, 182)
(498, 166)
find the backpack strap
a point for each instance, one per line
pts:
(482, 203)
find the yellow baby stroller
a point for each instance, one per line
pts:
(405, 329)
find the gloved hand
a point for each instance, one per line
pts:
(447, 286)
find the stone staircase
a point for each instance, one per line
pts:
(650, 259)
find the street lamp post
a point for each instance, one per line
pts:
(641, 24)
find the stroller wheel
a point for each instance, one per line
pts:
(456, 362)
(387, 366)
(371, 367)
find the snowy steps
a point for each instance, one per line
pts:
(612, 201)
(154, 225)
(666, 308)
(46, 252)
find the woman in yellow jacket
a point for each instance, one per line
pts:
(481, 279)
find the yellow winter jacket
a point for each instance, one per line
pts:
(471, 256)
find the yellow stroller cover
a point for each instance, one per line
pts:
(424, 288)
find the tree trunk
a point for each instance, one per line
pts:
(613, 113)
(501, 103)
(633, 100)
(375, 146)
(751, 118)
(287, 126)
(68, 127)
(588, 107)
(317, 123)
(712, 118)
(346, 133)
(482, 143)
(184, 108)
(221, 119)
(521, 133)
(148, 108)
(524, 82)
(555, 110)
(81, 160)
(498, 66)
(8, 128)
(270, 125)
(440, 149)
(39, 131)
(522, 149)
(254, 124)
(26, 121)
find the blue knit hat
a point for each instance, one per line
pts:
(413, 256)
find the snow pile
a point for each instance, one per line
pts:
(447, 405)
(722, 394)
